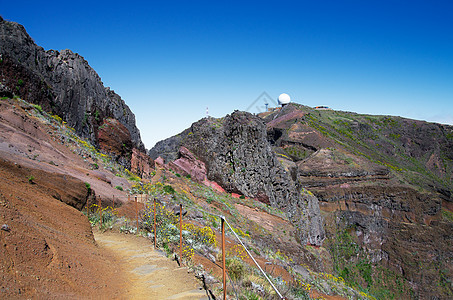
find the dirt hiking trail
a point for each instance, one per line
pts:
(149, 273)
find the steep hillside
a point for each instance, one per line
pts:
(384, 186)
(47, 175)
(62, 82)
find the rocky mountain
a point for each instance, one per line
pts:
(385, 189)
(63, 83)
(381, 186)
(239, 158)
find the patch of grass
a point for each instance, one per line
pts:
(447, 216)
(118, 187)
(88, 186)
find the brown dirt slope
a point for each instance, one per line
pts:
(48, 249)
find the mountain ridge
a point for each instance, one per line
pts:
(376, 178)
(62, 82)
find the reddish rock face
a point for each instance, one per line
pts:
(159, 161)
(114, 138)
(141, 163)
(188, 164)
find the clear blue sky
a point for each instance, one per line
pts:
(169, 60)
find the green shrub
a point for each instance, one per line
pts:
(31, 178)
(107, 214)
(169, 189)
(235, 268)
(96, 115)
(88, 186)
(118, 187)
(38, 107)
(447, 216)
(20, 82)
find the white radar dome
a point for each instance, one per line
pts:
(284, 99)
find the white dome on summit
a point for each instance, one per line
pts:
(284, 99)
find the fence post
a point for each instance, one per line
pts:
(113, 202)
(100, 209)
(88, 206)
(136, 212)
(223, 257)
(155, 219)
(180, 232)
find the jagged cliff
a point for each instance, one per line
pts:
(239, 158)
(63, 83)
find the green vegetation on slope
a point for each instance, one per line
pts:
(418, 152)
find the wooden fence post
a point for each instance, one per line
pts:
(223, 257)
(136, 211)
(155, 220)
(100, 209)
(113, 202)
(180, 232)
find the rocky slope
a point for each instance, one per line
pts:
(384, 186)
(47, 175)
(239, 158)
(385, 190)
(62, 82)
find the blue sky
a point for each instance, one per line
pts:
(169, 60)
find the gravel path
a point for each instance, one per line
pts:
(150, 274)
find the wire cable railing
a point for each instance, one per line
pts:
(223, 222)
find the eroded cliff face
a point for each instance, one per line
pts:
(63, 83)
(384, 187)
(238, 156)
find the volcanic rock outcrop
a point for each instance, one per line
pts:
(238, 156)
(63, 83)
